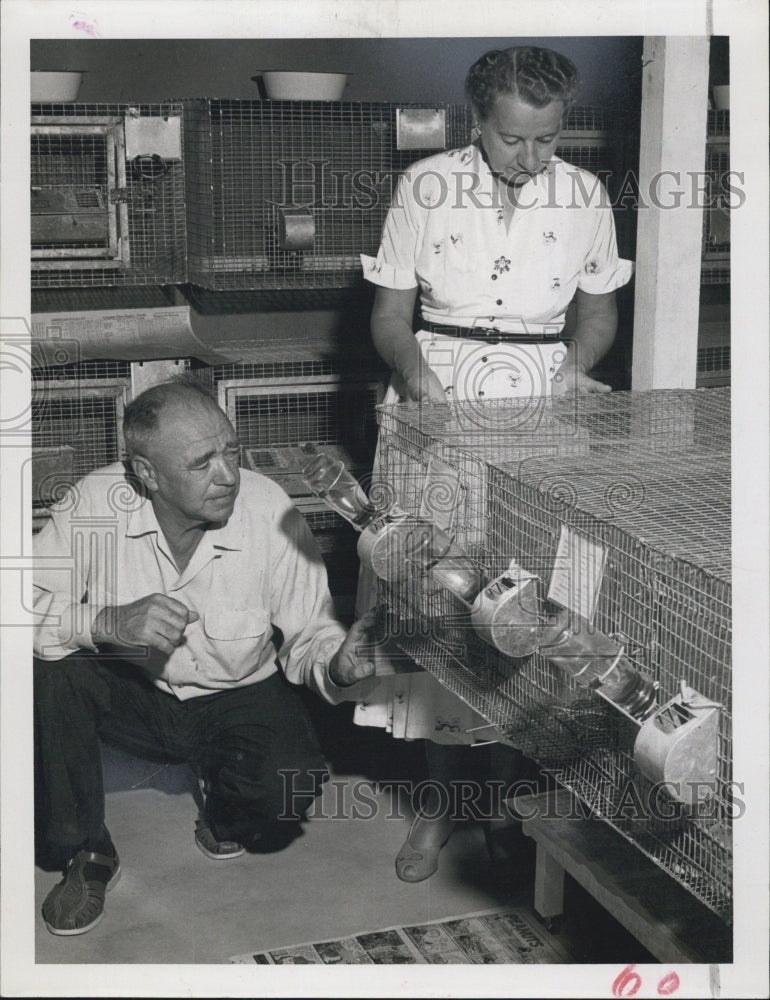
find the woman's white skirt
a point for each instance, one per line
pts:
(415, 705)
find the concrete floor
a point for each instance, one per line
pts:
(175, 905)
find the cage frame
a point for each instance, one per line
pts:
(151, 241)
(118, 251)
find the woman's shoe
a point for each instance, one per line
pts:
(415, 864)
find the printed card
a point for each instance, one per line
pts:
(577, 573)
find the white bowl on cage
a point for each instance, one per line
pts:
(291, 86)
(58, 88)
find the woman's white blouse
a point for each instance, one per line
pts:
(445, 232)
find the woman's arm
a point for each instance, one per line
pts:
(395, 342)
(595, 325)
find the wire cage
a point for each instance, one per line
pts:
(280, 401)
(284, 411)
(714, 356)
(288, 194)
(76, 418)
(643, 476)
(715, 267)
(105, 210)
(76, 422)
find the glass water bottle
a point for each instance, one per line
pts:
(430, 549)
(592, 659)
(328, 478)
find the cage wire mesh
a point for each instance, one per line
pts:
(76, 418)
(86, 425)
(714, 358)
(715, 265)
(100, 218)
(268, 370)
(645, 476)
(718, 123)
(326, 414)
(252, 164)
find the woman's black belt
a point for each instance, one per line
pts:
(489, 334)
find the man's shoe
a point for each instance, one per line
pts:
(76, 904)
(219, 850)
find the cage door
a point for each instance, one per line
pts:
(78, 179)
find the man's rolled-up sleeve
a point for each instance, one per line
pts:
(302, 609)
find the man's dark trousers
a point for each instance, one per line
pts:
(254, 746)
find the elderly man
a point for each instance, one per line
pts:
(178, 599)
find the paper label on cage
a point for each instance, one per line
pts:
(440, 494)
(577, 573)
(420, 128)
(154, 136)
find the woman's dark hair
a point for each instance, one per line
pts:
(536, 76)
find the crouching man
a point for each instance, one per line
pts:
(178, 601)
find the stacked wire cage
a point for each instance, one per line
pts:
(253, 164)
(715, 269)
(101, 214)
(76, 418)
(644, 476)
(77, 412)
(288, 194)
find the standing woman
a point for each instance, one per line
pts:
(499, 239)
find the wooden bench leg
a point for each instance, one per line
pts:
(549, 885)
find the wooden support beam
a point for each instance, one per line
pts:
(549, 884)
(670, 214)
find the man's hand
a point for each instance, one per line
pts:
(157, 621)
(350, 663)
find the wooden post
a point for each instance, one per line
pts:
(670, 214)
(549, 884)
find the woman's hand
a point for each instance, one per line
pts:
(422, 385)
(590, 331)
(571, 381)
(396, 344)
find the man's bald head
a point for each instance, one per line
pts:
(141, 418)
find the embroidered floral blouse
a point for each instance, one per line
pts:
(445, 232)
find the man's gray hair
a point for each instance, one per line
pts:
(141, 416)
